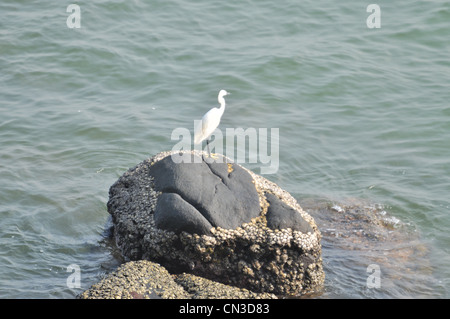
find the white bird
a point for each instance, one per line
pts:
(210, 121)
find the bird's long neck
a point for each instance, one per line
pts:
(222, 104)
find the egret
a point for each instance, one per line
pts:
(210, 121)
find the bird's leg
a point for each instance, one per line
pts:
(210, 155)
(207, 145)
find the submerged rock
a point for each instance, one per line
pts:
(219, 221)
(357, 235)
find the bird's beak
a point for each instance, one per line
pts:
(228, 93)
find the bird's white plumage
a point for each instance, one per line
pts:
(210, 120)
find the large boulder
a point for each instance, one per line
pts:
(216, 220)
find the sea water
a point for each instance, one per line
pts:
(359, 95)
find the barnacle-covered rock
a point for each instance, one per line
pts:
(216, 220)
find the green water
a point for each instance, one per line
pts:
(362, 113)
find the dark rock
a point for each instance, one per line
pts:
(221, 193)
(281, 216)
(173, 213)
